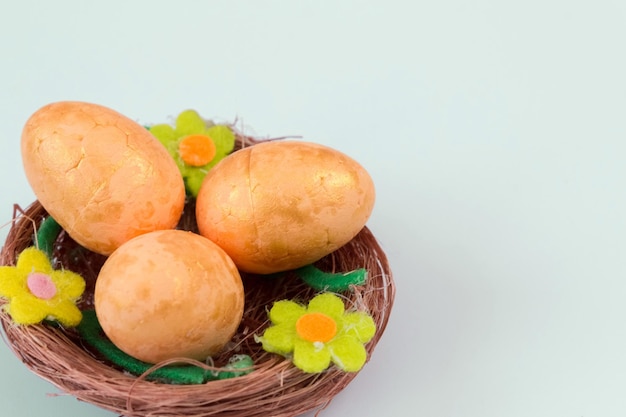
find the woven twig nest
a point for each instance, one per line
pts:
(275, 386)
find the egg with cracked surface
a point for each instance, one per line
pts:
(101, 175)
(169, 294)
(280, 205)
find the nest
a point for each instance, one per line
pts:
(274, 387)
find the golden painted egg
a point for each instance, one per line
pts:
(102, 176)
(169, 294)
(280, 205)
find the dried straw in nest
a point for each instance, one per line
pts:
(275, 387)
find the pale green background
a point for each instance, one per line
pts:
(494, 131)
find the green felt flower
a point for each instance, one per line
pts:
(318, 334)
(196, 145)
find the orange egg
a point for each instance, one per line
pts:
(169, 294)
(283, 204)
(101, 175)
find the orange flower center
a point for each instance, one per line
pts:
(41, 286)
(316, 327)
(197, 150)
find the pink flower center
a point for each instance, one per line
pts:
(41, 285)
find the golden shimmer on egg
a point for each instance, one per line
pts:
(283, 204)
(101, 175)
(169, 294)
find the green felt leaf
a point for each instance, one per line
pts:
(47, 234)
(327, 281)
(92, 333)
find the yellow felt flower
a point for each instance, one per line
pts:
(195, 145)
(318, 334)
(35, 291)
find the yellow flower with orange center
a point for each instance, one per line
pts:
(319, 334)
(196, 146)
